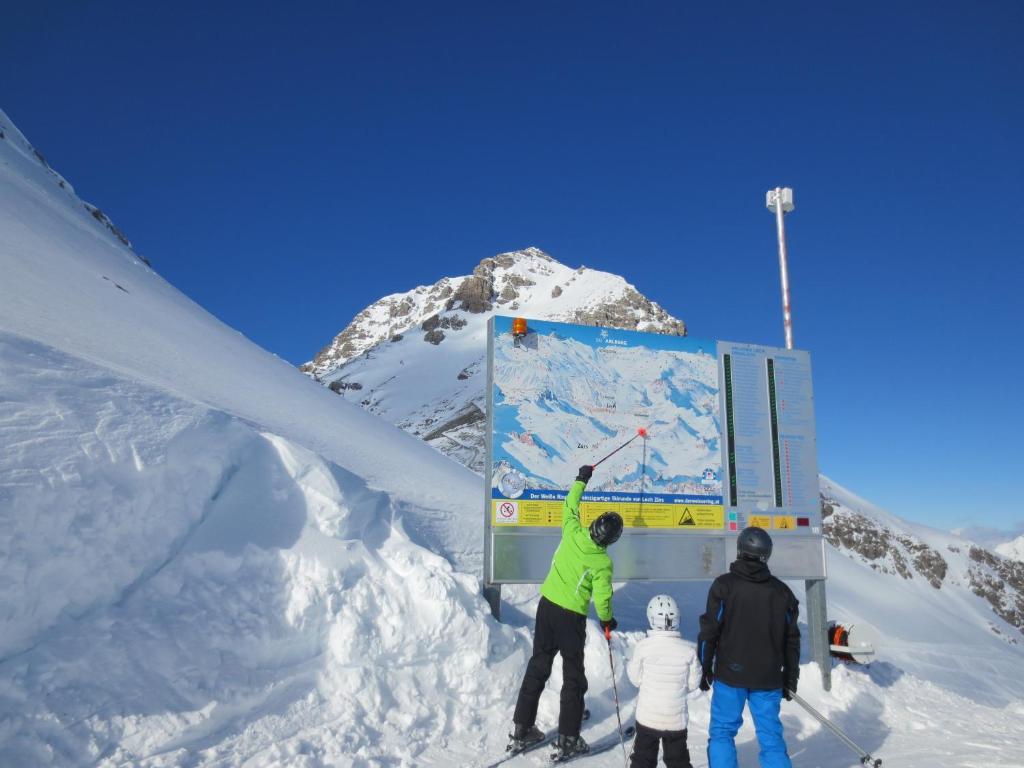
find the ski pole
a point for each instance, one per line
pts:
(865, 758)
(641, 432)
(643, 475)
(615, 688)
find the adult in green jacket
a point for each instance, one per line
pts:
(580, 569)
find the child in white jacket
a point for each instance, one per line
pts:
(666, 671)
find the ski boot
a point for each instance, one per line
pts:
(523, 737)
(568, 747)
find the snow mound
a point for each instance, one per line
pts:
(183, 587)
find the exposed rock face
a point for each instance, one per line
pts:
(627, 312)
(883, 549)
(473, 295)
(387, 319)
(103, 219)
(997, 580)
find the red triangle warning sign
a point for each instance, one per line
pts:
(687, 518)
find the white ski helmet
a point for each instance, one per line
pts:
(663, 613)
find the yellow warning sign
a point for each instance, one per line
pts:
(761, 521)
(785, 521)
(543, 513)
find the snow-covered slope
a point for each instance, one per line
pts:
(1012, 549)
(204, 556)
(208, 559)
(417, 358)
(930, 584)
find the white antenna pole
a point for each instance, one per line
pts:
(780, 202)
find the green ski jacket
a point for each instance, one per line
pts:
(580, 567)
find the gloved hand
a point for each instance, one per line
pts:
(706, 680)
(586, 472)
(609, 625)
(788, 689)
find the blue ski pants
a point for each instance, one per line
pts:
(727, 717)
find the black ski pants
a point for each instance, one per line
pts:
(557, 630)
(645, 748)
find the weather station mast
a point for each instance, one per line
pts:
(780, 202)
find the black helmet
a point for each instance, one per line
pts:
(754, 544)
(606, 529)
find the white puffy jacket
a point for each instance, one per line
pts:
(666, 670)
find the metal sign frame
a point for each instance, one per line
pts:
(764, 395)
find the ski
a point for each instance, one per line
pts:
(549, 738)
(600, 746)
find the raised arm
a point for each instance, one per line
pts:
(571, 525)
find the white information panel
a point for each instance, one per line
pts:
(702, 438)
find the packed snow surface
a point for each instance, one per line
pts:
(208, 559)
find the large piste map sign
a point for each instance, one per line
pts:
(702, 438)
(566, 395)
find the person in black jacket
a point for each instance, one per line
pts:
(749, 648)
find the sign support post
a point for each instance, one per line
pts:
(492, 591)
(780, 201)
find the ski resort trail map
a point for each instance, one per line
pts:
(567, 395)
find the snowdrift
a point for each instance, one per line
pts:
(184, 581)
(181, 584)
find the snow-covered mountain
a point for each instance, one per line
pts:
(946, 562)
(418, 358)
(1012, 549)
(207, 559)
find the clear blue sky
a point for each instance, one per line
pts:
(287, 164)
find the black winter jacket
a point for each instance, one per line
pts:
(748, 636)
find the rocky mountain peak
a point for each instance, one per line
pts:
(418, 358)
(528, 281)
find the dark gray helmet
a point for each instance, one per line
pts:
(606, 529)
(754, 544)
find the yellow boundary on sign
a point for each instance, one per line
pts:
(548, 514)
